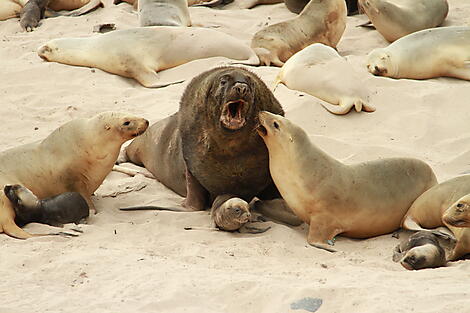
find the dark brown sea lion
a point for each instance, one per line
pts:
(421, 250)
(210, 146)
(32, 13)
(68, 207)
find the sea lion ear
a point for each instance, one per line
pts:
(107, 127)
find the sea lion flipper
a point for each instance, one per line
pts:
(11, 229)
(196, 194)
(90, 6)
(153, 207)
(322, 231)
(278, 210)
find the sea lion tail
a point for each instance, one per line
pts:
(152, 207)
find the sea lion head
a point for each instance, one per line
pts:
(421, 250)
(379, 63)
(232, 214)
(368, 7)
(48, 51)
(458, 214)
(21, 197)
(279, 133)
(122, 124)
(233, 91)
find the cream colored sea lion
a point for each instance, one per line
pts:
(397, 18)
(320, 21)
(140, 53)
(429, 211)
(359, 201)
(421, 250)
(248, 4)
(321, 72)
(443, 51)
(163, 13)
(76, 157)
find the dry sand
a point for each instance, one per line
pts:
(147, 262)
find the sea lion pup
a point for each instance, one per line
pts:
(210, 147)
(359, 201)
(321, 72)
(67, 207)
(443, 205)
(320, 21)
(140, 53)
(76, 157)
(163, 13)
(421, 250)
(394, 19)
(443, 51)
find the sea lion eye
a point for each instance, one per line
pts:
(238, 210)
(126, 123)
(459, 205)
(276, 125)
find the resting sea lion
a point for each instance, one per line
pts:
(443, 51)
(320, 21)
(248, 4)
(76, 157)
(140, 53)
(163, 13)
(397, 18)
(68, 207)
(359, 201)
(210, 148)
(321, 72)
(458, 214)
(421, 250)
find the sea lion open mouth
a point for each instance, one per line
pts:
(232, 115)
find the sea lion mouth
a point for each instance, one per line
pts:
(232, 115)
(457, 223)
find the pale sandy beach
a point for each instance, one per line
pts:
(147, 262)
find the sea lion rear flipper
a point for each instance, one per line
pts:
(11, 229)
(90, 6)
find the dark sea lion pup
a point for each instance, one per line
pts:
(210, 146)
(68, 207)
(421, 250)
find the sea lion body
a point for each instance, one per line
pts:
(76, 157)
(68, 207)
(397, 18)
(320, 21)
(359, 200)
(330, 78)
(163, 13)
(443, 51)
(430, 211)
(140, 53)
(421, 250)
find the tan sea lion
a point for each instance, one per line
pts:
(320, 21)
(248, 4)
(428, 211)
(397, 18)
(67, 207)
(443, 51)
(163, 13)
(140, 53)
(296, 6)
(421, 250)
(321, 72)
(76, 157)
(359, 200)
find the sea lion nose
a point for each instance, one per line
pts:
(241, 88)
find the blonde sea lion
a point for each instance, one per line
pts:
(421, 250)
(321, 72)
(76, 157)
(320, 21)
(163, 13)
(140, 53)
(443, 51)
(444, 205)
(394, 19)
(67, 207)
(359, 200)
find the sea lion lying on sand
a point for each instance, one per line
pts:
(68, 207)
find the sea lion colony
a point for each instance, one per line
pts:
(212, 151)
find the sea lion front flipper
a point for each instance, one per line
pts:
(31, 14)
(322, 231)
(247, 229)
(196, 195)
(7, 217)
(276, 209)
(149, 78)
